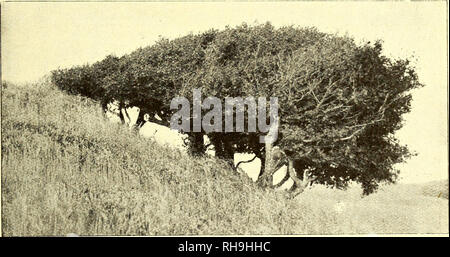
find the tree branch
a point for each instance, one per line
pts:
(300, 184)
(159, 122)
(352, 135)
(286, 178)
(239, 163)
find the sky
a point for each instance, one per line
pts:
(40, 37)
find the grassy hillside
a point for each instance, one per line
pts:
(436, 189)
(66, 169)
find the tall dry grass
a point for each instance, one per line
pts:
(66, 169)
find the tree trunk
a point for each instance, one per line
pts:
(299, 185)
(262, 171)
(228, 153)
(196, 144)
(223, 150)
(290, 167)
(287, 176)
(265, 178)
(122, 118)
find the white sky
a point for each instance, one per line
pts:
(39, 37)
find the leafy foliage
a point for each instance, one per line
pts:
(340, 103)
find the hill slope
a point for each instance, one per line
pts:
(436, 189)
(66, 169)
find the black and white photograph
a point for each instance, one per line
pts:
(316, 118)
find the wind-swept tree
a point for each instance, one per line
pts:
(340, 103)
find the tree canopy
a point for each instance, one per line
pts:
(340, 103)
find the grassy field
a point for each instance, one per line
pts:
(66, 169)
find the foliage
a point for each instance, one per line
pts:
(86, 80)
(340, 103)
(345, 103)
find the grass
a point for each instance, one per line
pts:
(436, 189)
(66, 169)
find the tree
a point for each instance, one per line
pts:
(340, 103)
